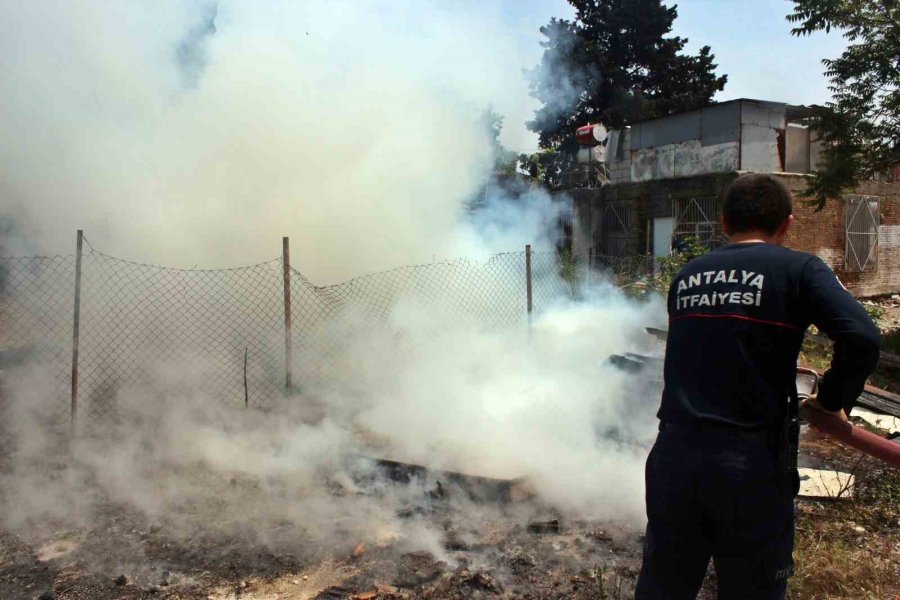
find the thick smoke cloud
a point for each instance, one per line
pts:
(426, 387)
(188, 133)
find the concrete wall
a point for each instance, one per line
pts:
(684, 145)
(684, 159)
(796, 149)
(620, 166)
(712, 125)
(803, 149)
(744, 135)
(732, 136)
(760, 123)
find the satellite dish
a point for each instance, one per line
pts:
(600, 133)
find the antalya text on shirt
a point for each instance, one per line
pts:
(749, 279)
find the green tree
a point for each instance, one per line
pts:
(860, 127)
(539, 163)
(505, 161)
(504, 176)
(615, 62)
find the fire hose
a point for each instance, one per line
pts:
(835, 427)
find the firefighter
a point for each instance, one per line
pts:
(721, 477)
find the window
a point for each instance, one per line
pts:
(614, 231)
(698, 218)
(861, 218)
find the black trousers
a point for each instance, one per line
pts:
(716, 492)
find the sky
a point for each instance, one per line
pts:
(750, 39)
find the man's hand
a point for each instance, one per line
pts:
(813, 403)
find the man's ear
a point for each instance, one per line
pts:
(726, 229)
(783, 230)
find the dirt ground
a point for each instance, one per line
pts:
(847, 548)
(123, 556)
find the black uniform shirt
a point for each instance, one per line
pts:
(737, 317)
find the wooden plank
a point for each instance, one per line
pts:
(875, 399)
(890, 360)
(878, 403)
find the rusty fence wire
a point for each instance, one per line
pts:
(221, 332)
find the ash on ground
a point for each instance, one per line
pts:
(489, 549)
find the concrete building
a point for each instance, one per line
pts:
(665, 179)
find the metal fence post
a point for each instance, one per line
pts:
(528, 279)
(246, 393)
(286, 263)
(76, 328)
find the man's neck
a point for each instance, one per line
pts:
(750, 237)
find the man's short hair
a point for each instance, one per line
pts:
(756, 202)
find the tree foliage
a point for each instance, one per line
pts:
(670, 266)
(860, 127)
(505, 161)
(504, 179)
(615, 62)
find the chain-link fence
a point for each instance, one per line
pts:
(223, 332)
(639, 271)
(36, 305)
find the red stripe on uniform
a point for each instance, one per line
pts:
(739, 318)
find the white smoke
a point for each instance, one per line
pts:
(428, 386)
(192, 133)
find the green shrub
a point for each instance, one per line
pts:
(671, 265)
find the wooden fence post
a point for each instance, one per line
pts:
(288, 355)
(76, 329)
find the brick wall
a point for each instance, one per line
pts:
(822, 233)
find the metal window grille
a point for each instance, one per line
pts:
(614, 230)
(698, 218)
(861, 218)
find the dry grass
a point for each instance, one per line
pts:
(839, 559)
(849, 549)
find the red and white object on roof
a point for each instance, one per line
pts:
(591, 135)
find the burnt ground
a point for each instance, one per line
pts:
(846, 548)
(122, 555)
